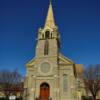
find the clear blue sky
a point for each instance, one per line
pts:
(78, 22)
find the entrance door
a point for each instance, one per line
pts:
(44, 91)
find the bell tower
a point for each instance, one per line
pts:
(50, 75)
(48, 41)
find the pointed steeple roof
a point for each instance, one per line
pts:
(50, 22)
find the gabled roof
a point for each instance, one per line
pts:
(31, 62)
(64, 60)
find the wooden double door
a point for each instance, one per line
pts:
(44, 91)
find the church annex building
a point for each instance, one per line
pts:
(50, 75)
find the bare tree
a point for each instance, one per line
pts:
(92, 79)
(10, 81)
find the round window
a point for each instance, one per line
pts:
(45, 67)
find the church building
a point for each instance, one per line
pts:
(50, 75)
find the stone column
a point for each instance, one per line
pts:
(56, 90)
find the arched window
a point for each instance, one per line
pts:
(46, 48)
(43, 36)
(47, 34)
(65, 82)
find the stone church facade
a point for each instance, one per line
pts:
(50, 75)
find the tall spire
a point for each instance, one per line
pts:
(50, 17)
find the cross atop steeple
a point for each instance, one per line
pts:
(50, 22)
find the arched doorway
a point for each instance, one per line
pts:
(44, 91)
